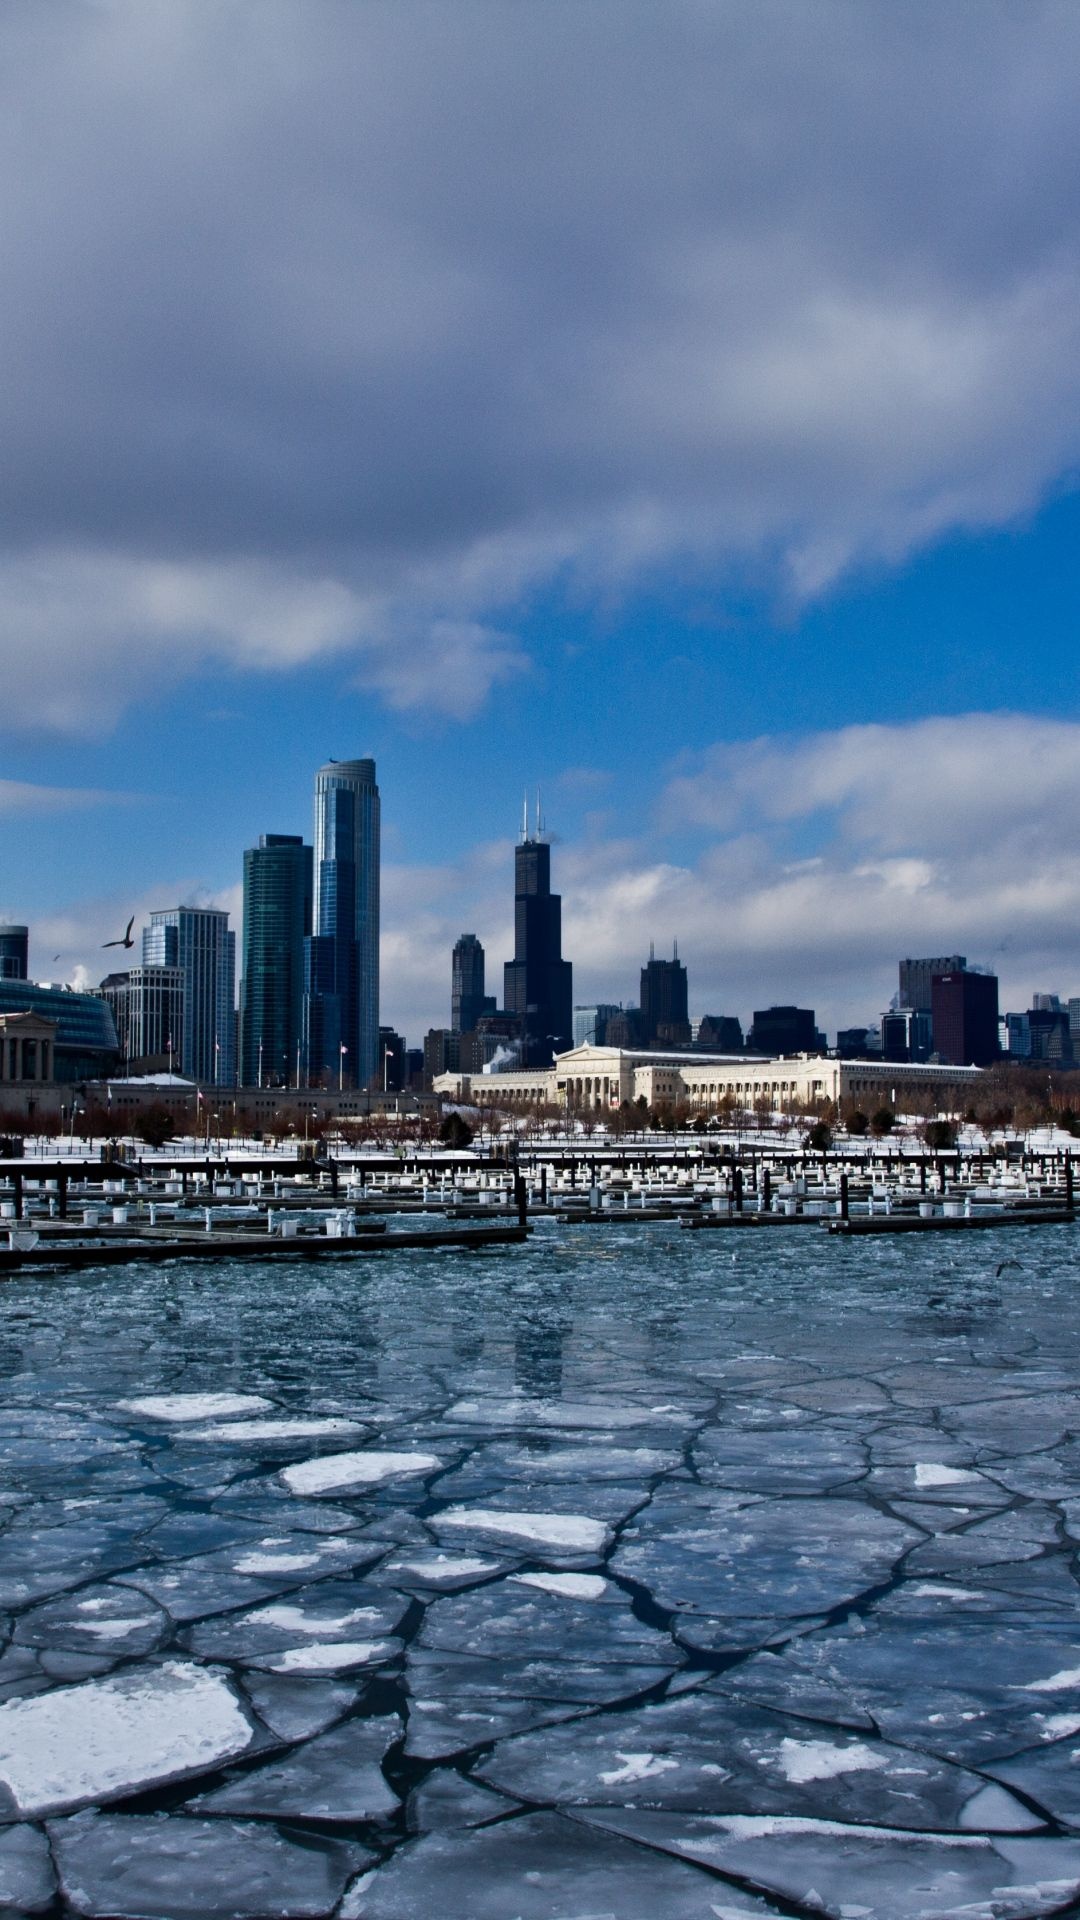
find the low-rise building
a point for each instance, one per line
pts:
(601, 1079)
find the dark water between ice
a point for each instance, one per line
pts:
(642, 1574)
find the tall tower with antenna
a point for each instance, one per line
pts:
(538, 982)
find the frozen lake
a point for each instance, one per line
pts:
(636, 1574)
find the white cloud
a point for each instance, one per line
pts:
(689, 287)
(23, 797)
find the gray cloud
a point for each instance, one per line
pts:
(395, 313)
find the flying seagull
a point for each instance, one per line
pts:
(127, 940)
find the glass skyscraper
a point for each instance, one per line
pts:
(277, 922)
(199, 942)
(341, 1004)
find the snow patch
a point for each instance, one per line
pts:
(566, 1532)
(804, 1760)
(1057, 1682)
(637, 1766)
(931, 1473)
(255, 1430)
(331, 1658)
(105, 1737)
(332, 1473)
(194, 1406)
(572, 1586)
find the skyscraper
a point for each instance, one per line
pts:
(964, 1012)
(148, 1008)
(467, 1001)
(14, 952)
(664, 1013)
(341, 1004)
(537, 982)
(916, 977)
(198, 941)
(277, 921)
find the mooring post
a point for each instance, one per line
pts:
(1069, 1182)
(922, 1174)
(62, 1192)
(17, 1183)
(543, 1183)
(845, 1203)
(766, 1190)
(522, 1198)
(737, 1188)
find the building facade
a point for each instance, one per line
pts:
(778, 1030)
(341, 999)
(85, 1047)
(916, 979)
(665, 1019)
(148, 1010)
(467, 997)
(964, 1017)
(277, 923)
(537, 982)
(199, 941)
(14, 952)
(601, 1079)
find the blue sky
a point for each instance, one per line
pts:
(684, 419)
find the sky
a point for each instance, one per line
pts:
(676, 409)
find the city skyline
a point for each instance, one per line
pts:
(760, 557)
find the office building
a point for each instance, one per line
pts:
(916, 979)
(964, 1016)
(148, 1010)
(780, 1030)
(590, 1023)
(1014, 1036)
(14, 952)
(467, 997)
(442, 1053)
(199, 941)
(664, 1017)
(341, 1002)
(719, 1033)
(905, 1034)
(391, 1069)
(277, 923)
(537, 982)
(1050, 1036)
(1074, 1019)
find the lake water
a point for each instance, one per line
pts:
(634, 1573)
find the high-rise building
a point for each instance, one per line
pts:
(148, 1009)
(538, 982)
(14, 952)
(590, 1023)
(778, 1030)
(664, 1013)
(198, 940)
(467, 999)
(1051, 1039)
(1074, 1019)
(391, 1070)
(277, 921)
(719, 1033)
(964, 1015)
(916, 978)
(905, 1034)
(341, 1004)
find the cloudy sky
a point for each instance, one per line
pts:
(677, 407)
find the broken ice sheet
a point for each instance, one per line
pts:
(27, 1881)
(117, 1736)
(514, 1620)
(878, 1873)
(181, 1407)
(354, 1472)
(702, 1753)
(534, 1868)
(336, 1777)
(777, 1461)
(327, 1611)
(457, 1702)
(158, 1867)
(95, 1620)
(562, 1534)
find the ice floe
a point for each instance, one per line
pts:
(340, 1472)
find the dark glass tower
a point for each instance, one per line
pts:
(467, 1001)
(664, 1016)
(277, 921)
(537, 982)
(342, 974)
(14, 952)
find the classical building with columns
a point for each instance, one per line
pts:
(27, 1049)
(599, 1079)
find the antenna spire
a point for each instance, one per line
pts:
(539, 815)
(525, 815)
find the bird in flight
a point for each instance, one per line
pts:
(127, 940)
